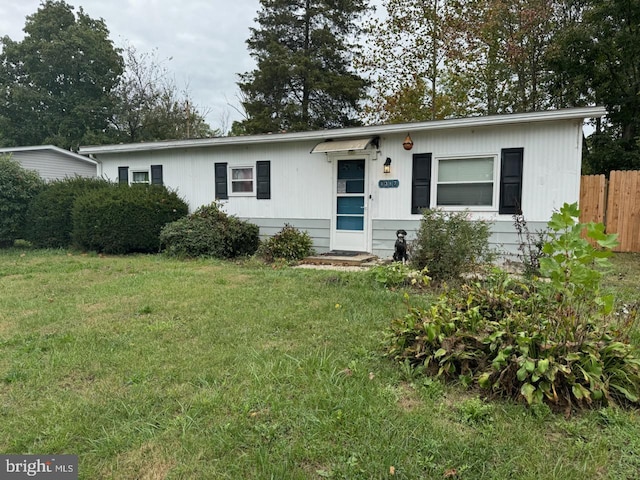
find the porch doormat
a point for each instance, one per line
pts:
(341, 253)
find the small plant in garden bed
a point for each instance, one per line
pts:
(530, 245)
(554, 341)
(398, 274)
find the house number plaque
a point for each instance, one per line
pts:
(389, 183)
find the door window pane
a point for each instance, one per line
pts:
(350, 205)
(351, 176)
(350, 223)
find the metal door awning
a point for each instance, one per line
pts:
(344, 145)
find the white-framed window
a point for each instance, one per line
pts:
(140, 176)
(466, 181)
(242, 180)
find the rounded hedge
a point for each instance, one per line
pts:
(209, 232)
(124, 219)
(49, 219)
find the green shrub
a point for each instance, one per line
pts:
(124, 219)
(449, 244)
(192, 237)
(49, 220)
(17, 188)
(289, 244)
(554, 341)
(243, 238)
(209, 232)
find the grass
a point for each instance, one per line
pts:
(152, 368)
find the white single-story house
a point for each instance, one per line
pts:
(352, 188)
(52, 163)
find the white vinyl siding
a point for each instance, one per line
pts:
(301, 183)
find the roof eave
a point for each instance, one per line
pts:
(579, 113)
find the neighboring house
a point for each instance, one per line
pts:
(352, 188)
(52, 163)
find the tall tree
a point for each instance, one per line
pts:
(303, 80)
(504, 51)
(56, 84)
(405, 56)
(599, 55)
(441, 58)
(525, 28)
(148, 105)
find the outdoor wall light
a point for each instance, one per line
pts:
(408, 143)
(386, 168)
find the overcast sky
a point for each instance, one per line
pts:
(205, 40)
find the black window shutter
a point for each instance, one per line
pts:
(421, 182)
(220, 174)
(263, 178)
(123, 174)
(156, 174)
(511, 181)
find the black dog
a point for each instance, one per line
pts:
(400, 253)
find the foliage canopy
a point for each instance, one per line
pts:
(57, 81)
(303, 80)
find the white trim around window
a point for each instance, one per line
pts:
(466, 182)
(242, 180)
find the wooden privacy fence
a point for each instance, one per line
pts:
(615, 203)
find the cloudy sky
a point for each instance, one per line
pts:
(205, 40)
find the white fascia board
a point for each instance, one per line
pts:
(579, 113)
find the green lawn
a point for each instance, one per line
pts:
(152, 368)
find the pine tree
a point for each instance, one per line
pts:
(303, 80)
